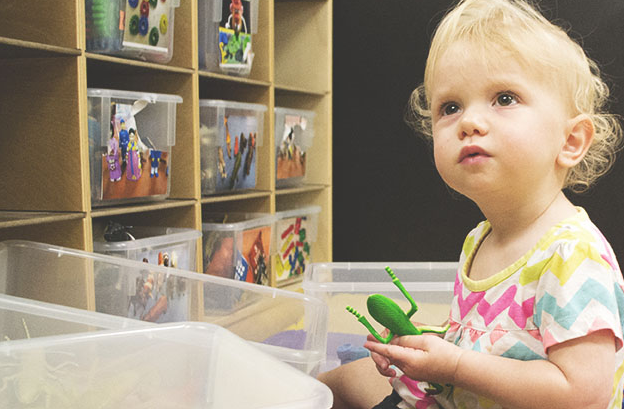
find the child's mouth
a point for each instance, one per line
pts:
(472, 154)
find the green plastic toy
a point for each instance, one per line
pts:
(387, 313)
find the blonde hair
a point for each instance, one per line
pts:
(516, 27)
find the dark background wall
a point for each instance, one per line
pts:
(389, 202)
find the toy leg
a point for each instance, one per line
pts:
(370, 328)
(407, 295)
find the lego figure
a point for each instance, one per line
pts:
(236, 21)
(155, 158)
(124, 139)
(113, 159)
(133, 158)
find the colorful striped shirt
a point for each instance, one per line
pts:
(568, 286)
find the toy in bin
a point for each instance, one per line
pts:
(225, 35)
(131, 28)
(238, 246)
(130, 139)
(294, 133)
(295, 232)
(230, 134)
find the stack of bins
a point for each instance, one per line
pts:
(63, 357)
(340, 285)
(288, 325)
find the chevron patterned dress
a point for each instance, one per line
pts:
(567, 286)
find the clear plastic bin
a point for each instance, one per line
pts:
(295, 235)
(165, 246)
(130, 140)
(183, 365)
(238, 245)
(226, 28)
(21, 318)
(141, 29)
(349, 284)
(294, 135)
(230, 133)
(288, 325)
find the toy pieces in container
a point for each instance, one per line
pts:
(238, 246)
(294, 133)
(140, 29)
(225, 35)
(235, 37)
(233, 171)
(117, 232)
(223, 258)
(230, 135)
(128, 158)
(295, 233)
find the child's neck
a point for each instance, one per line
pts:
(515, 231)
(519, 217)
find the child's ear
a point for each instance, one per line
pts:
(579, 136)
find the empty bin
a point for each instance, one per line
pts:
(349, 284)
(182, 365)
(288, 325)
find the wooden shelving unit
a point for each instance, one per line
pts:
(44, 152)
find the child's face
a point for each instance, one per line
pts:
(497, 129)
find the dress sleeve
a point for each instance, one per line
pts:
(579, 292)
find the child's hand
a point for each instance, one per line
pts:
(381, 362)
(424, 357)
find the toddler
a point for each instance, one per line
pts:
(515, 110)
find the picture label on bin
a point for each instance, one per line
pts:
(235, 35)
(242, 256)
(131, 165)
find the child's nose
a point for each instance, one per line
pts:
(473, 123)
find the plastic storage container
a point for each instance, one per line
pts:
(288, 325)
(140, 29)
(21, 318)
(130, 140)
(349, 284)
(167, 246)
(238, 245)
(183, 365)
(295, 234)
(294, 134)
(226, 28)
(230, 133)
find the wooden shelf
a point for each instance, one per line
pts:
(44, 159)
(13, 48)
(140, 208)
(18, 219)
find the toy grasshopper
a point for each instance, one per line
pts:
(386, 312)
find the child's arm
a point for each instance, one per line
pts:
(578, 373)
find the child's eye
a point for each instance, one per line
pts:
(506, 99)
(449, 109)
